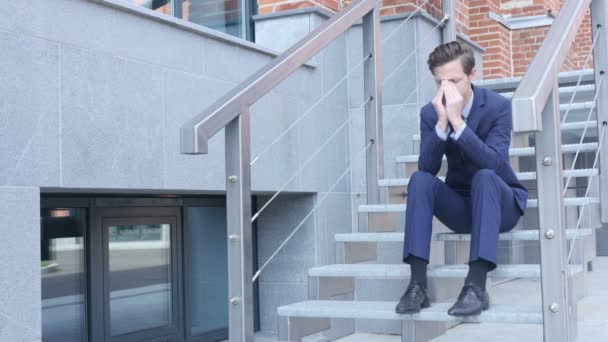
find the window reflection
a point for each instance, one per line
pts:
(208, 269)
(162, 6)
(140, 277)
(62, 272)
(220, 15)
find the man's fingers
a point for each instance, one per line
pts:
(450, 93)
(452, 88)
(439, 95)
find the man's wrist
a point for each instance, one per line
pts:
(457, 124)
(443, 125)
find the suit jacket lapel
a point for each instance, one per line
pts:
(477, 108)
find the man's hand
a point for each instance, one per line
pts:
(454, 104)
(442, 119)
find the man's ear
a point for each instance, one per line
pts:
(473, 74)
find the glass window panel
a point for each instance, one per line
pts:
(139, 277)
(221, 15)
(62, 273)
(162, 6)
(207, 262)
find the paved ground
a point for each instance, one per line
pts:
(592, 314)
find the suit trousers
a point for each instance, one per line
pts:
(488, 209)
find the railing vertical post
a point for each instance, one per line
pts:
(449, 31)
(553, 248)
(372, 82)
(599, 13)
(238, 209)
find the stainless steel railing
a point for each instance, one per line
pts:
(536, 109)
(231, 112)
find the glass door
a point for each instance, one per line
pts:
(140, 273)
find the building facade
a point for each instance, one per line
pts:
(112, 235)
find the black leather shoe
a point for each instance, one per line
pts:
(471, 301)
(416, 297)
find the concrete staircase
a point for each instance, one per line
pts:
(360, 291)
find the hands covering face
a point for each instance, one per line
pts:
(450, 110)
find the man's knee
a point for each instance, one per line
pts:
(421, 179)
(483, 178)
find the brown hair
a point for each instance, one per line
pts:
(448, 52)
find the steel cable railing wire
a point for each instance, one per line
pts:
(336, 86)
(316, 206)
(311, 158)
(309, 110)
(578, 150)
(582, 211)
(333, 135)
(254, 160)
(414, 91)
(404, 22)
(580, 78)
(357, 156)
(415, 49)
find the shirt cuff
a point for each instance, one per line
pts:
(441, 134)
(456, 135)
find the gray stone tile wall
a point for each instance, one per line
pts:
(20, 298)
(96, 96)
(285, 279)
(29, 111)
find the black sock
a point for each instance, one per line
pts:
(418, 269)
(478, 273)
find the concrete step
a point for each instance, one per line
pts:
(587, 105)
(532, 203)
(566, 127)
(567, 78)
(572, 126)
(520, 175)
(519, 235)
(567, 91)
(402, 271)
(498, 313)
(517, 151)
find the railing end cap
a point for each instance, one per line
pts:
(526, 118)
(191, 142)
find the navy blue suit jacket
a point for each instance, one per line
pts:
(484, 144)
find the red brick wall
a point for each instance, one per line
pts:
(391, 7)
(580, 48)
(462, 17)
(492, 36)
(526, 42)
(519, 8)
(508, 52)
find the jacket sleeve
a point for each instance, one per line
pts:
(432, 148)
(493, 153)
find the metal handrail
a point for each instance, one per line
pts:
(535, 106)
(195, 133)
(390, 119)
(309, 110)
(231, 112)
(535, 87)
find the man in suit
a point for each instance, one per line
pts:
(481, 195)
